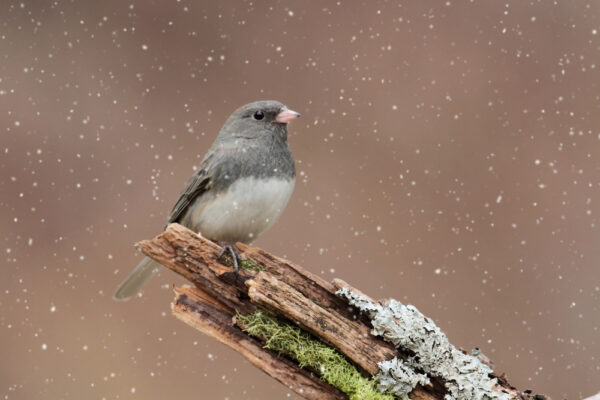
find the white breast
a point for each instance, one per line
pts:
(244, 211)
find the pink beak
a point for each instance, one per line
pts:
(286, 115)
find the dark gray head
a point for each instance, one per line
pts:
(257, 120)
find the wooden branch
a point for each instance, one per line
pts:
(192, 308)
(287, 291)
(350, 337)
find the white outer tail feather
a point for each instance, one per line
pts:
(145, 269)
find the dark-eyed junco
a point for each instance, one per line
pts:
(242, 186)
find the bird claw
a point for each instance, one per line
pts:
(234, 256)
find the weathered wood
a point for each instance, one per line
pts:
(177, 249)
(350, 337)
(310, 285)
(195, 258)
(284, 289)
(190, 308)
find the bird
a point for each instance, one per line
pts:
(240, 188)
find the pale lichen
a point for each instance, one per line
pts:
(465, 376)
(399, 378)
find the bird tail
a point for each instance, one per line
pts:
(145, 269)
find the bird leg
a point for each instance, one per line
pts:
(234, 255)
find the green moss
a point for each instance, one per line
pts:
(244, 263)
(333, 367)
(249, 265)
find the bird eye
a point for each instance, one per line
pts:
(259, 115)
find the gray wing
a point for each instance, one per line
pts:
(198, 184)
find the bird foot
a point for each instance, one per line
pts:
(235, 257)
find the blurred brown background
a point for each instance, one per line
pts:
(448, 156)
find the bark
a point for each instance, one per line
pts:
(285, 290)
(192, 307)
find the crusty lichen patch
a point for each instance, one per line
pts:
(399, 378)
(309, 352)
(465, 377)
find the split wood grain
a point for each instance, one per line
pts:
(190, 308)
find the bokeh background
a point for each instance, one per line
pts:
(448, 156)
